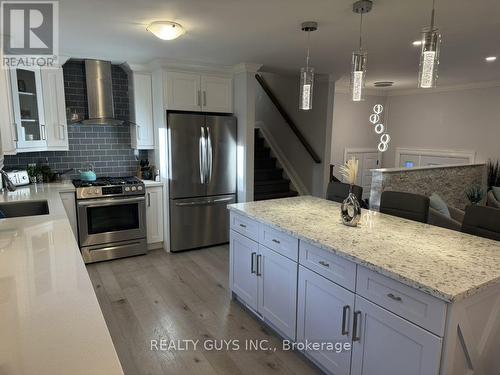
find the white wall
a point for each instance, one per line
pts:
(351, 128)
(315, 125)
(455, 120)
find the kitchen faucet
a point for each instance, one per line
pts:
(9, 184)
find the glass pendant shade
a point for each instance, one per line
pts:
(429, 59)
(358, 75)
(306, 88)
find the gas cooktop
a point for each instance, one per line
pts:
(107, 181)
(108, 187)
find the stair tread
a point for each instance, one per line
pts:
(272, 182)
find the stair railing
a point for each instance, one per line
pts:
(287, 118)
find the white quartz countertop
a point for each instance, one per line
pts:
(446, 264)
(151, 183)
(50, 320)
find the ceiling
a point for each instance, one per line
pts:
(268, 31)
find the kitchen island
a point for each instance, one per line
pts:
(409, 297)
(50, 320)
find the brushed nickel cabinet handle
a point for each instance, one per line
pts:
(276, 241)
(243, 225)
(149, 199)
(204, 98)
(324, 264)
(15, 132)
(198, 103)
(252, 263)
(395, 298)
(356, 323)
(259, 265)
(42, 128)
(345, 311)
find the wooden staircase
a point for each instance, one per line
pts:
(268, 178)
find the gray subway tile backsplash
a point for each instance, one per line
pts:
(107, 147)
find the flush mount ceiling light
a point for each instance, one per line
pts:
(417, 43)
(358, 63)
(429, 55)
(307, 73)
(166, 30)
(491, 58)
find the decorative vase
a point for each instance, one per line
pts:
(350, 210)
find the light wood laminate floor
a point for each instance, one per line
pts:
(177, 297)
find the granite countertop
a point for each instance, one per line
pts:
(446, 264)
(51, 322)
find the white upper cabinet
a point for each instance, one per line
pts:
(183, 91)
(8, 131)
(217, 94)
(34, 117)
(55, 109)
(28, 109)
(197, 92)
(141, 111)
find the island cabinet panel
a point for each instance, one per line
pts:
(385, 344)
(280, 242)
(420, 308)
(277, 277)
(329, 265)
(243, 273)
(245, 226)
(324, 315)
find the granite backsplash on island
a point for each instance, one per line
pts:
(449, 181)
(107, 147)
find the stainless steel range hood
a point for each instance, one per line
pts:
(100, 93)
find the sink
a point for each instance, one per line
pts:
(26, 208)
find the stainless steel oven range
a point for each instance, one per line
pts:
(111, 216)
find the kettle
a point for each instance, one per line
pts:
(89, 174)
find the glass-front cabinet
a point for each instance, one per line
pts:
(27, 102)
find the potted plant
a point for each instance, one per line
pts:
(474, 194)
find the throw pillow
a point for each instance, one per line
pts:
(439, 205)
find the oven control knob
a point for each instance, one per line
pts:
(134, 188)
(139, 188)
(96, 191)
(127, 188)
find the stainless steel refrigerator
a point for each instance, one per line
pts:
(202, 178)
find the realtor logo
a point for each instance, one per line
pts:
(29, 33)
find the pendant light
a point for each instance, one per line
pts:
(358, 63)
(429, 55)
(307, 73)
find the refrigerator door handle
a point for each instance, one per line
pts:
(209, 155)
(202, 154)
(204, 202)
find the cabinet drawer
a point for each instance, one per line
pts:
(411, 304)
(245, 226)
(280, 242)
(329, 265)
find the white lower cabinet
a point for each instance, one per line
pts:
(324, 315)
(385, 344)
(333, 302)
(69, 203)
(154, 214)
(277, 278)
(243, 271)
(266, 281)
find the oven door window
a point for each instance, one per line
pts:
(112, 218)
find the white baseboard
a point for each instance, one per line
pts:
(284, 162)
